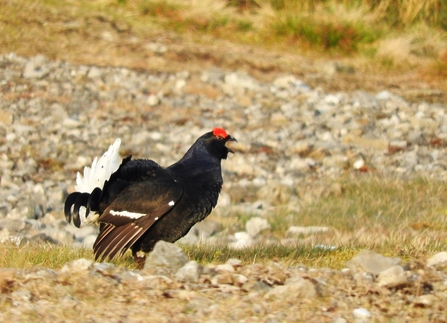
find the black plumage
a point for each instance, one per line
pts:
(142, 202)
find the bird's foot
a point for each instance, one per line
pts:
(139, 258)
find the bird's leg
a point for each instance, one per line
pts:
(139, 258)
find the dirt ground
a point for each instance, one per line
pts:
(99, 39)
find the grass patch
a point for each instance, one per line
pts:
(394, 34)
(286, 255)
(391, 216)
(28, 255)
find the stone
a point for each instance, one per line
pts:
(358, 164)
(392, 277)
(297, 230)
(153, 100)
(384, 95)
(240, 80)
(361, 313)
(239, 280)
(190, 272)
(166, 255)
(255, 286)
(427, 300)
(224, 278)
(242, 240)
(224, 268)
(236, 263)
(439, 260)
(36, 67)
(57, 236)
(81, 265)
(255, 225)
(368, 261)
(157, 282)
(295, 287)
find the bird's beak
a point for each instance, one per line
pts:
(228, 143)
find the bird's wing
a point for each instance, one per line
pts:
(134, 211)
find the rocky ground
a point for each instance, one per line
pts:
(55, 117)
(173, 289)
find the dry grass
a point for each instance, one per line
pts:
(393, 33)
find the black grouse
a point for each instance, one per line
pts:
(138, 202)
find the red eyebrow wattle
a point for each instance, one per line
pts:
(219, 132)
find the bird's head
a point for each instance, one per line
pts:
(218, 141)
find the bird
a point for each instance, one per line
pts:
(137, 202)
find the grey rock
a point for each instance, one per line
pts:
(224, 268)
(166, 255)
(384, 95)
(368, 261)
(236, 263)
(190, 272)
(296, 287)
(255, 225)
(392, 277)
(56, 236)
(255, 286)
(81, 265)
(12, 225)
(241, 80)
(239, 280)
(438, 261)
(36, 67)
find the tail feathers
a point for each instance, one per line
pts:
(100, 171)
(78, 206)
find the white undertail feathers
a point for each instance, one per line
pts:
(96, 175)
(100, 171)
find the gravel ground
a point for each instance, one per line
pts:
(56, 117)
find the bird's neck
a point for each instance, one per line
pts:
(197, 166)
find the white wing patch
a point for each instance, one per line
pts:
(132, 215)
(100, 171)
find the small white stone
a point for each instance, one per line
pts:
(361, 313)
(359, 163)
(153, 100)
(438, 260)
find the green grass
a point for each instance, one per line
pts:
(394, 217)
(28, 255)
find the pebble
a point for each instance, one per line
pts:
(298, 230)
(255, 225)
(439, 260)
(361, 313)
(295, 287)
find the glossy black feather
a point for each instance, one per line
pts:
(143, 202)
